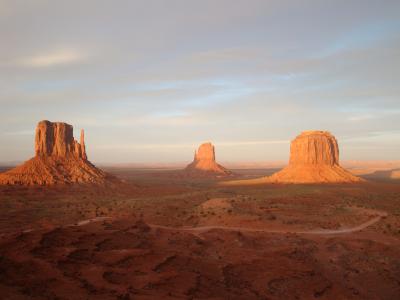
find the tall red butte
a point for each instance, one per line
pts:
(204, 163)
(314, 158)
(59, 159)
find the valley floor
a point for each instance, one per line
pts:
(158, 236)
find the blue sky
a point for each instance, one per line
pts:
(150, 80)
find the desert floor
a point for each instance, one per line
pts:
(159, 235)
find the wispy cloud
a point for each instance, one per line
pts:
(360, 118)
(247, 76)
(251, 143)
(189, 145)
(62, 57)
(142, 146)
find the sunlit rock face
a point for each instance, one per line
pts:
(57, 139)
(59, 159)
(204, 162)
(315, 148)
(314, 158)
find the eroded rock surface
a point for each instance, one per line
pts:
(59, 158)
(57, 140)
(314, 148)
(204, 162)
(314, 158)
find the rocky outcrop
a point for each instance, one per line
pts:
(204, 162)
(59, 159)
(57, 140)
(314, 158)
(314, 148)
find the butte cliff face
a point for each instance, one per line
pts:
(204, 162)
(314, 158)
(59, 159)
(57, 140)
(314, 148)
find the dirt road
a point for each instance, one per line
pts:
(202, 229)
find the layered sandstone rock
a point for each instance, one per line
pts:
(314, 158)
(204, 162)
(59, 158)
(57, 140)
(314, 148)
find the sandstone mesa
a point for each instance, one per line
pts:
(59, 159)
(204, 163)
(314, 158)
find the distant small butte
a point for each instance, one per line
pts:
(204, 163)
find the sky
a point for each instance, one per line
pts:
(151, 80)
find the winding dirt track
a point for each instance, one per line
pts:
(378, 215)
(204, 229)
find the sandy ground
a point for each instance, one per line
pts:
(163, 237)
